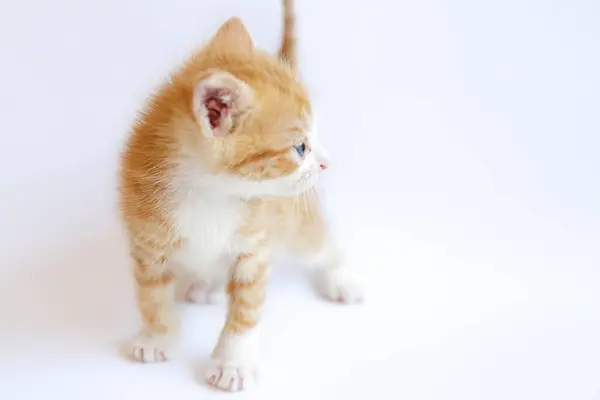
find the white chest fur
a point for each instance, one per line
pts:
(207, 224)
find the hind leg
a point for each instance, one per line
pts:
(203, 282)
(333, 279)
(200, 291)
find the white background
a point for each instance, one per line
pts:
(465, 138)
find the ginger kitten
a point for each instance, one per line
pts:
(217, 177)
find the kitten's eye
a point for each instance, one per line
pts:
(300, 149)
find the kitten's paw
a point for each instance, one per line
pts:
(230, 376)
(146, 349)
(201, 294)
(340, 286)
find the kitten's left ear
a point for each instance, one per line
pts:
(232, 35)
(218, 101)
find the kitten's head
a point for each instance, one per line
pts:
(252, 119)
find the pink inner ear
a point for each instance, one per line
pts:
(217, 102)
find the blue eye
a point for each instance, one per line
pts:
(300, 149)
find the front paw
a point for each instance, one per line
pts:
(340, 286)
(230, 376)
(149, 349)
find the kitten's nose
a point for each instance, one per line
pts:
(324, 166)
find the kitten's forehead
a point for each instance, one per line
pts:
(306, 114)
(304, 121)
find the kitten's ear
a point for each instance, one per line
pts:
(233, 34)
(218, 100)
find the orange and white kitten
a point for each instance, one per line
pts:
(218, 176)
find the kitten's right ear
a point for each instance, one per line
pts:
(218, 100)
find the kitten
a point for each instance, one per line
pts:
(218, 176)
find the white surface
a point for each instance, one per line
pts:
(465, 139)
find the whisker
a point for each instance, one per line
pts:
(313, 193)
(313, 197)
(305, 203)
(296, 206)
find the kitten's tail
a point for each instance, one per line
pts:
(287, 51)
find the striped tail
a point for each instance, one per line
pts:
(287, 51)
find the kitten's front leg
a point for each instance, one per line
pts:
(234, 359)
(155, 290)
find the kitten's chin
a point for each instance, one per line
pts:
(289, 186)
(276, 189)
(293, 191)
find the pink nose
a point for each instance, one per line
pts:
(323, 166)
